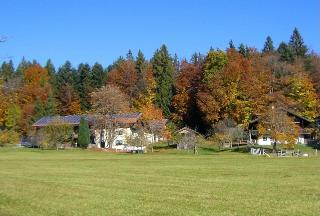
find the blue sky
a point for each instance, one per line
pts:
(90, 31)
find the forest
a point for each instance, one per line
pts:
(237, 83)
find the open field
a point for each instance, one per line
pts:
(76, 182)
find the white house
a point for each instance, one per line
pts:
(305, 128)
(126, 126)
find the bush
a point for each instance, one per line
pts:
(55, 134)
(9, 137)
(84, 133)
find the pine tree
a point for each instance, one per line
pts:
(176, 64)
(23, 65)
(244, 50)
(65, 74)
(83, 83)
(52, 74)
(296, 44)
(197, 59)
(7, 70)
(285, 52)
(140, 62)
(140, 68)
(231, 45)
(98, 76)
(50, 107)
(268, 45)
(38, 110)
(84, 133)
(163, 70)
(130, 56)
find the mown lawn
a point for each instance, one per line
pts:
(76, 182)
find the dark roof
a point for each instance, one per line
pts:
(70, 119)
(295, 114)
(157, 124)
(287, 111)
(127, 118)
(124, 118)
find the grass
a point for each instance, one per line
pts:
(78, 182)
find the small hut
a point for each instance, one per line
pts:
(187, 138)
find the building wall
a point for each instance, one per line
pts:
(121, 137)
(265, 140)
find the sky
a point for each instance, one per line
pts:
(90, 31)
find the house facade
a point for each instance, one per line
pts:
(126, 126)
(306, 127)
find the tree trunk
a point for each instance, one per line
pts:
(274, 147)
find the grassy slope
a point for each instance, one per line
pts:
(34, 182)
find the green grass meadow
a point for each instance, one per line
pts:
(82, 182)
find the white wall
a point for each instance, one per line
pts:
(126, 132)
(261, 141)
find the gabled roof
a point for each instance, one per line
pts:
(296, 115)
(124, 118)
(127, 118)
(157, 124)
(188, 130)
(291, 112)
(70, 119)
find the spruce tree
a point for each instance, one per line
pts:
(296, 44)
(285, 52)
(163, 70)
(140, 62)
(176, 64)
(83, 84)
(50, 107)
(23, 65)
(130, 56)
(231, 45)
(98, 76)
(268, 45)
(84, 133)
(65, 75)
(38, 110)
(7, 70)
(140, 68)
(197, 59)
(244, 50)
(52, 74)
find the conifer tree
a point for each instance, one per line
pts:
(244, 50)
(83, 85)
(65, 74)
(285, 52)
(38, 110)
(7, 70)
(84, 133)
(52, 74)
(23, 65)
(231, 45)
(98, 76)
(268, 45)
(130, 56)
(50, 107)
(296, 44)
(163, 70)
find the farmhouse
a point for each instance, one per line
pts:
(187, 138)
(126, 125)
(306, 129)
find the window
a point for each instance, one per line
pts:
(119, 142)
(265, 138)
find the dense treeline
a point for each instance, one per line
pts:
(237, 84)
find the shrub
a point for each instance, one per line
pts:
(9, 137)
(84, 133)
